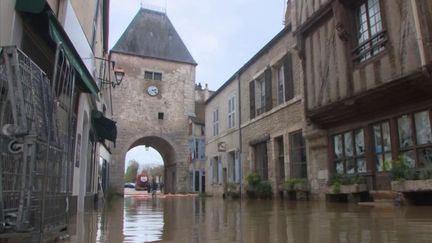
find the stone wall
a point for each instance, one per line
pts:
(137, 116)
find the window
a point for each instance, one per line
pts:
(371, 38)
(231, 112)
(197, 148)
(148, 75)
(298, 155)
(160, 115)
(232, 167)
(280, 158)
(215, 122)
(261, 163)
(349, 152)
(260, 95)
(382, 146)
(415, 138)
(152, 75)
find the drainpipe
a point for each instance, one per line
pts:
(418, 33)
(240, 152)
(240, 136)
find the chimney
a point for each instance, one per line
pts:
(288, 12)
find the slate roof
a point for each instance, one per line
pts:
(151, 34)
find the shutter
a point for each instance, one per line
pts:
(289, 82)
(268, 89)
(252, 99)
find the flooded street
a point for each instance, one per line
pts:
(193, 219)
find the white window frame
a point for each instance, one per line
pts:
(231, 112)
(216, 122)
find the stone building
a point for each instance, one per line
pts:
(223, 138)
(156, 99)
(255, 121)
(272, 117)
(53, 55)
(367, 80)
(197, 140)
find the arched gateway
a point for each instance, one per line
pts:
(156, 98)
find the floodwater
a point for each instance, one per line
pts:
(195, 220)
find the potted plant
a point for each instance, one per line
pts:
(405, 178)
(296, 185)
(345, 184)
(256, 188)
(231, 191)
(296, 188)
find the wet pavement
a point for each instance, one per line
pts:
(193, 219)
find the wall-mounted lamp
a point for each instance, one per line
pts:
(118, 73)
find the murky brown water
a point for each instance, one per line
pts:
(196, 220)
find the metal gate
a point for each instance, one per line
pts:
(35, 145)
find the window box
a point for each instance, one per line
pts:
(347, 189)
(412, 185)
(296, 189)
(294, 185)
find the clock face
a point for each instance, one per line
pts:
(152, 90)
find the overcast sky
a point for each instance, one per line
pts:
(221, 35)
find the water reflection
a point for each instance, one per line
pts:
(143, 220)
(190, 219)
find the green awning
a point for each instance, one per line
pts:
(30, 6)
(58, 35)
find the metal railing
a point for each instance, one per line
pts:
(370, 48)
(35, 144)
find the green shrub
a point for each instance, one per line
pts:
(290, 185)
(425, 173)
(401, 170)
(258, 188)
(264, 190)
(336, 187)
(253, 180)
(343, 179)
(232, 191)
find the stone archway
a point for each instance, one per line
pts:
(167, 153)
(173, 152)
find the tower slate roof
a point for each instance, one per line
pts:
(151, 34)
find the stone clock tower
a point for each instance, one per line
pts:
(153, 103)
